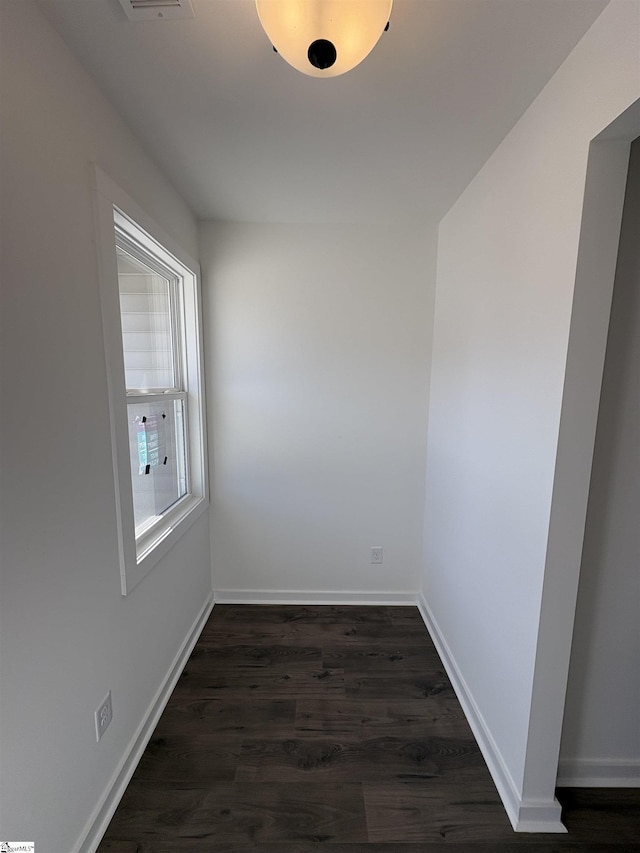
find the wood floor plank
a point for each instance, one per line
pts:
(180, 760)
(241, 814)
(315, 633)
(434, 812)
(437, 715)
(596, 814)
(207, 657)
(379, 759)
(407, 686)
(217, 717)
(275, 682)
(393, 658)
(305, 614)
(289, 623)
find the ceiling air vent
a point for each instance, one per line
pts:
(157, 10)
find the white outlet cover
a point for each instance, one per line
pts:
(103, 716)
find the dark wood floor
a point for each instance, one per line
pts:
(295, 729)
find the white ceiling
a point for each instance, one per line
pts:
(243, 136)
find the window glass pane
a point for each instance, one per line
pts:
(158, 463)
(147, 334)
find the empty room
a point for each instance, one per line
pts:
(319, 435)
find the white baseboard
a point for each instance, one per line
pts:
(287, 596)
(599, 773)
(99, 821)
(525, 815)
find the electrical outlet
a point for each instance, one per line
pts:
(376, 554)
(104, 714)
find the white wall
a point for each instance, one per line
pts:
(67, 634)
(507, 262)
(317, 349)
(601, 733)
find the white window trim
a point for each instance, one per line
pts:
(138, 558)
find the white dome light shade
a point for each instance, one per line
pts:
(324, 38)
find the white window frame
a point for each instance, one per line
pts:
(137, 556)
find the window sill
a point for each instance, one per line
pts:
(152, 546)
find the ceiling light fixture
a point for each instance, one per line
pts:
(324, 38)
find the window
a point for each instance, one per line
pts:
(152, 333)
(150, 304)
